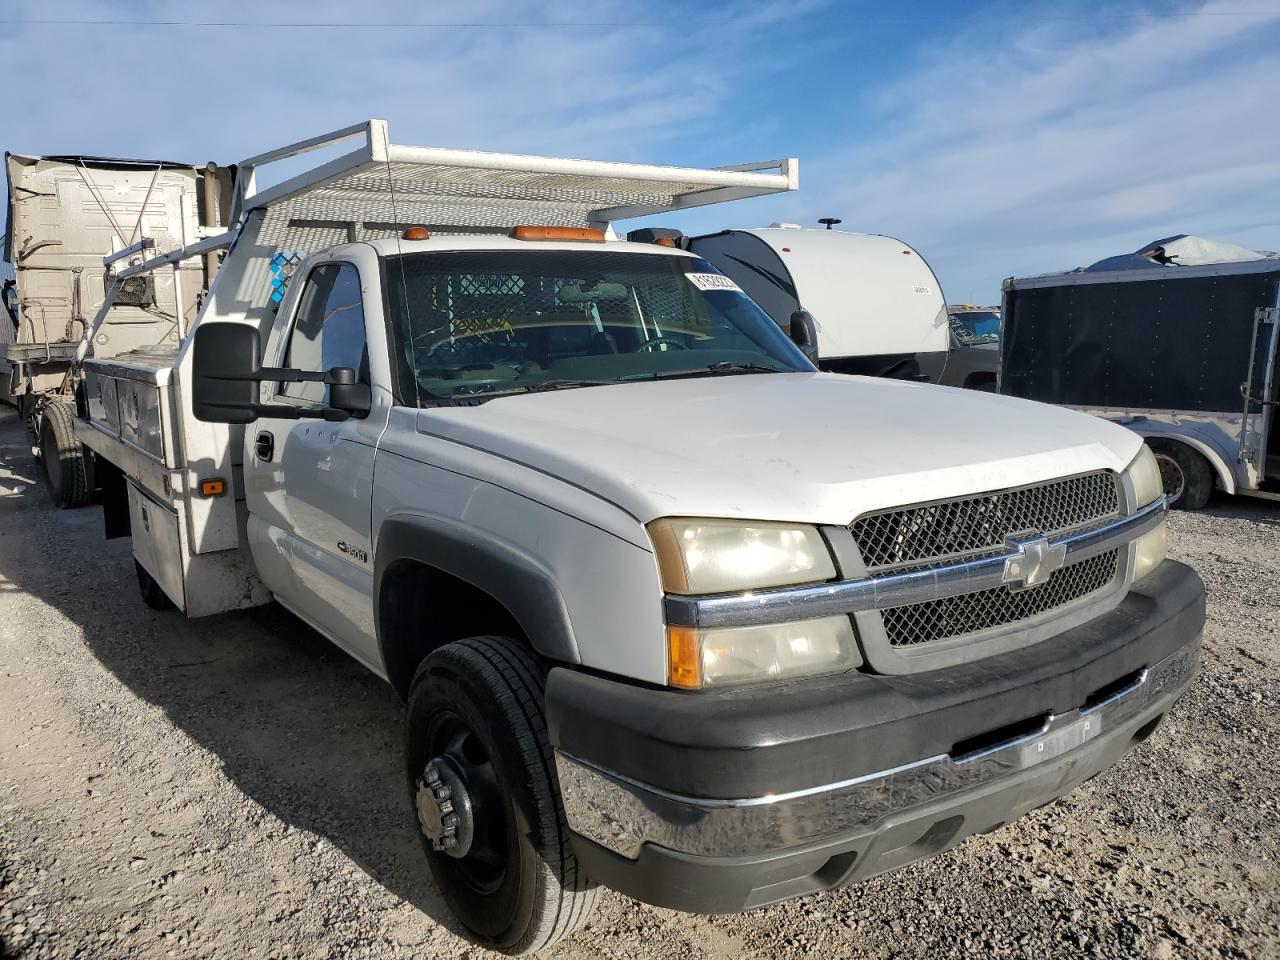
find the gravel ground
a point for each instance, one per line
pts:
(232, 788)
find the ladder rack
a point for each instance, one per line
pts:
(386, 183)
(378, 188)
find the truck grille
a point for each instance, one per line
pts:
(970, 528)
(971, 612)
(953, 531)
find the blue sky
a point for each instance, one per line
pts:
(999, 138)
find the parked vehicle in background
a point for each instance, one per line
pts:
(973, 360)
(1177, 341)
(65, 214)
(878, 308)
(672, 611)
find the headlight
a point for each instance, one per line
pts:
(1144, 473)
(728, 655)
(725, 556)
(1149, 550)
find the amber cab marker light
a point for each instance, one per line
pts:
(558, 233)
(213, 488)
(684, 660)
(416, 233)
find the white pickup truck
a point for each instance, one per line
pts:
(672, 611)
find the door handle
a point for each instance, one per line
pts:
(264, 445)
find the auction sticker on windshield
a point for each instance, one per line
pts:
(712, 281)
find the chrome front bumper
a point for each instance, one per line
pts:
(623, 814)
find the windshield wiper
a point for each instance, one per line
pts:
(732, 366)
(719, 367)
(498, 389)
(570, 382)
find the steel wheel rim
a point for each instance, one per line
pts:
(1171, 475)
(484, 867)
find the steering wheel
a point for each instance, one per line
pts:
(648, 344)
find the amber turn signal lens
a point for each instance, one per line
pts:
(417, 233)
(558, 233)
(684, 658)
(212, 488)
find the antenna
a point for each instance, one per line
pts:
(830, 221)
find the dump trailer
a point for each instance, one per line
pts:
(1177, 341)
(65, 214)
(672, 611)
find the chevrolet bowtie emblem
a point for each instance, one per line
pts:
(1035, 561)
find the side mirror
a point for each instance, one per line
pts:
(225, 373)
(226, 380)
(804, 334)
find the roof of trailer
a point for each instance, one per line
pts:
(109, 163)
(1168, 257)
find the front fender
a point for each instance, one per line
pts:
(519, 582)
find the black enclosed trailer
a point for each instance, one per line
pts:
(1184, 355)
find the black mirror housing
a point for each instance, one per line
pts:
(348, 395)
(227, 378)
(225, 373)
(804, 334)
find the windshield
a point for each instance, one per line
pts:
(976, 326)
(471, 324)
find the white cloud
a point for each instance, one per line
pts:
(1005, 154)
(1009, 149)
(222, 93)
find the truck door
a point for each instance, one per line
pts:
(309, 482)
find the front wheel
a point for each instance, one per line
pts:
(483, 782)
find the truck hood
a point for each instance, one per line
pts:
(806, 447)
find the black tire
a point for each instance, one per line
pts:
(1188, 478)
(476, 707)
(152, 593)
(68, 466)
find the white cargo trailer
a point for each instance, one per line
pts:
(673, 612)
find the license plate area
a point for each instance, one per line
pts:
(1057, 742)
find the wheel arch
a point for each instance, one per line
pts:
(428, 570)
(1217, 461)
